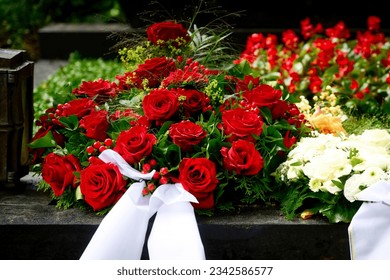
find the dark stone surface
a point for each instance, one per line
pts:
(31, 228)
(59, 40)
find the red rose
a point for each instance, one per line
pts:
(242, 158)
(58, 171)
(96, 125)
(241, 124)
(195, 101)
(160, 104)
(99, 89)
(186, 134)
(280, 109)
(199, 177)
(263, 96)
(102, 184)
(79, 107)
(248, 83)
(134, 144)
(161, 32)
(153, 70)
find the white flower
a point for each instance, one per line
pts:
(361, 160)
(372, 175)
(352, 187)
(373, 159)
(357, 182)
(376, 137)
(294, 172)
(329, 186)
(332, 164)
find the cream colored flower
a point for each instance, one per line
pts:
(332, 164)
(352, 187)
(357, 182)
(376, 137)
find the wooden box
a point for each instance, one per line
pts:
(16, 115)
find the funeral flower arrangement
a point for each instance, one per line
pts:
(182, 109)
(337, 80)
(324, 173)
(327, 62)
(267, 127)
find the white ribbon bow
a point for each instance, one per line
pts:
(369, 230)
(121, 234)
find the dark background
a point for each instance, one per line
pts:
(259, 14)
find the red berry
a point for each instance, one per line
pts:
(145, 191)
(90, 149)
(164, 171)
(151, 187)
(108, 142)
(102, 148)
(146, 167)
(156, 176)
(152, 162)
(163, 180)
(97, 144)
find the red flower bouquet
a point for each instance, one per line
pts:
(218, 131)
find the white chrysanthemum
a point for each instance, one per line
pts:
(310, 147)
(376, 137)
(315, 184)
(373, 159)
(352, 187)
(372, 175)
(294, 172)
(325, 157)
(357, 182)
(330, 187)
(330, 165)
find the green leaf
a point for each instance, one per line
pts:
(71, 122)
(338, 183)
(267, 114)
(342, 211)
(173, 155)
(46, 141)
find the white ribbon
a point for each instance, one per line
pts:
(121, 234)
(175, 233)
(369, 230)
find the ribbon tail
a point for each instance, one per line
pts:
(175, 233)
(369, 230)
(121, 234)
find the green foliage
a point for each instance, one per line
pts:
(58, 87)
